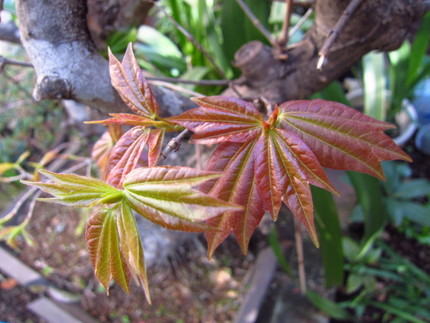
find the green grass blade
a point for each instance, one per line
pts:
(330, 236)
(374, 82)
(368, 191)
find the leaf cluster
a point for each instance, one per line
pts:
(258, 165)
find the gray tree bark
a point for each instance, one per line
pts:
(375, 25)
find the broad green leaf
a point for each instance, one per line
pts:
(128, 80)
(76, 190)
(238, 186)
(221, 119)
(127, 154)
(131, 246)
(414, 188)
(104, 248)
(370, 197)
(165, 195)
(330, 236)
(329, 307)
(374, 82)
(340, 137)
(418, 50)
(238, 29)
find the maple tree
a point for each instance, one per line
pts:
(258, 164)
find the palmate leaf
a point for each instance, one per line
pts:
(280, 157)
(165, 196)
(127, 78)
(76, 190)
(131, 246)
(104, 248)
(238, 186)
(221, 119)
(138, 147)
(340, 137)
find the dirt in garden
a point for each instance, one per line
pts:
(13, 302)
(189, 289)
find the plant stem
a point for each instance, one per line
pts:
(283, 38)
(174, 144)
(300, 255)
(256, 22)
(334, 33)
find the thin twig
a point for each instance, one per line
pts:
(174, 144)
(300, 255)
(17, 84)
(334, 33)
(283, 38)
(7, 61)
(18, 205)
(176, 88)
(256, 22)
(193, 82)
(300, 22)
(31, 208)
(193, 40)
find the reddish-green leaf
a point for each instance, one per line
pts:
(237, 186)
(339, 136)
(103, 248)
(155, 143)
(131, 246)
(280, 157)
(165, 195)
(221, 119)
(127, 154)
(125, 119)
(76, 190)
(101, 152)
(128, 80)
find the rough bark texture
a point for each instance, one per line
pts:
(375, 25)
(56, 37)
(105, 17)
(68, 66)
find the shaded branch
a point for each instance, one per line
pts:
(375, 25)
(9, 32)
(7, 61)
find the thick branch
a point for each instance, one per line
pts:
(55, 36)
(375, 25)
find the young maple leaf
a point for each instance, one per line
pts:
(164, 195)
(265, 163)
(141, 145)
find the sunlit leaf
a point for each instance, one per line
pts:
(125, 119)
(76, 190)
(131, 246)
(104, 248)
(340, 137)
(237, 185)
(165, 195)
(127, 154)
(221, 119)
(128, 80)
